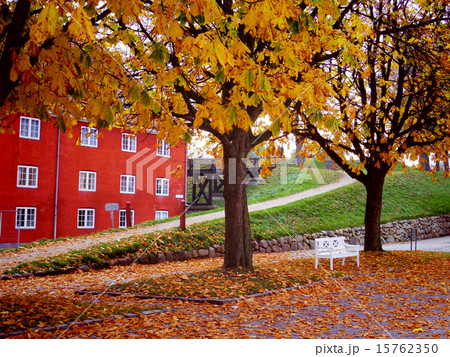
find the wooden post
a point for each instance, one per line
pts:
(128, 214)
(183, 216)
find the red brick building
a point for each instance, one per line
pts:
(54, 185)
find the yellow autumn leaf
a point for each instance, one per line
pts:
(45, 26)
(13, 75)
(80, 25)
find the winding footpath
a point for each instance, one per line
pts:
(10, 259)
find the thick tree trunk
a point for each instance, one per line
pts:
(372, 220)
(238, 250)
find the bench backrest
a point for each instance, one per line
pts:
(336, 243)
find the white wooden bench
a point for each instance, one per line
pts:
(335, 247)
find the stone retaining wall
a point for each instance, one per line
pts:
(398, 231)
(429, 227)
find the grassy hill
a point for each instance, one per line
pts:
(284, 181)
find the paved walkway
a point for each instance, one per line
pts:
(441, 244)
(9, 259)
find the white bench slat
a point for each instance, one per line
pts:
(335, 247)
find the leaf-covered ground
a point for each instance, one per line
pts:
(394, 294)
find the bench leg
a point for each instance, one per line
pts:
(317, 261)
(331, 263)
(343, 261)
(357, 260)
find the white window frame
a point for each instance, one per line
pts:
(130, 182)
(87, 181)
(85, 212)
(29, 181)
(27, 124)
(29, 221)
(123, 218)
(161, 215)
(162, 187)
(88, 137)
(163, 149)
(129, 142)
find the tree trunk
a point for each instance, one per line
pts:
(14, 41)
(372, 220)
(238, 249)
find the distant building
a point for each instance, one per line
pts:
(53, 185)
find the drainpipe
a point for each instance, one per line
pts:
(185, 175)
(55, 221)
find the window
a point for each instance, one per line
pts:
(87, 181)
(127, 183)
(123, 218)
(26, 217)
(163, 149)
(86, 218)
(30, 128)
(27, 176)
(128, 142)
(161, 215)
(162, 187)
(89, 136)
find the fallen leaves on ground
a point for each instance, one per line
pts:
(30, 311)
(392, 294)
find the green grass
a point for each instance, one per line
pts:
(284, 181)
(405, 196)
(288, 180)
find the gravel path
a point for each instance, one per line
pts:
(9, 259)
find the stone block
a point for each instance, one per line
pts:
(83, 268)
(95, 266)
(263, 243)
(169, 257)
(211, 252)
(286, 247)
(161, 258)
(203, 253)
(144, 259)
(179, 256)
(276, 249)
(125, 261)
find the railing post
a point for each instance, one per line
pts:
(413, 238)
